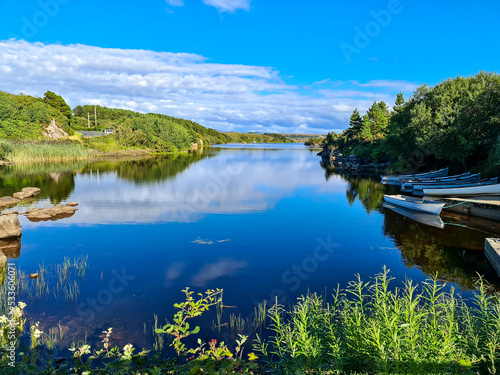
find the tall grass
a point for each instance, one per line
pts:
(371, 328)
(42, 152)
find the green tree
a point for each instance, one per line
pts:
(57, 102)
(398, 105)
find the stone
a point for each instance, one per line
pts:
(11, 213)
(33, 276)
(3, 259)
(9, 226)
(72, 204)
(27, 192)
(53, 131)
(8, 202)
(54, 213)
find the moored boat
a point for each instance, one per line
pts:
(431, 207)
(419, 189)
(427, 179)
(491, 189)
(418, 185)
(395, 179)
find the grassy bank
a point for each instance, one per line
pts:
(42, 152)
(370, 327)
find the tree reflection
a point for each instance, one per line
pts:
(455, 252)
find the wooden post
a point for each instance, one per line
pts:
(95, 116)
(88, 120)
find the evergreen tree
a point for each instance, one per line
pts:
(355, 122)
(400, 101)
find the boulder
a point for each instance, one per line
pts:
(53, 131)
(27, 192)
(54, 213)
(72, 204)
(9, 226)
(8, 202)
(11, 213)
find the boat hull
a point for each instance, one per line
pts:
(411, 203)
(439, 183)
(420, 217)
(492, 189)
(395, 180)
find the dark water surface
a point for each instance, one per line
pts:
(260, 222)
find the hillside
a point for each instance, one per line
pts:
(257, 138)
(24, 117)
(151, 130)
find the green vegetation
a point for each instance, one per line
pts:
(257, 138)
(24, 117)
(455, 123)
(156, 132)
(315, 141)
(370, 327)
(42, 151)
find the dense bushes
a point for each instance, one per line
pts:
(455, 123)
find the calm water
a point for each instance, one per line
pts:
(261, 222)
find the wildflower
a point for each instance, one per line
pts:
(3, 319)
(22, 305)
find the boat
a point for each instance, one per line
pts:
(419, 189)
(420, 217)
(394, 179)
(429, 179)
(489, 189)
(409, 186)
(417, 204)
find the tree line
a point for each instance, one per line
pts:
(455, 123)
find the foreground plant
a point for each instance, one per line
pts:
(373, 327)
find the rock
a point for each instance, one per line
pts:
(8, 202)
(53, 131)
(27, 192)
(33, 276)
(11, 213)
(72, 204)
(11, 247)
(54, 213)
(9, 226)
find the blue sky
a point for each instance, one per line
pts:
(244, 65)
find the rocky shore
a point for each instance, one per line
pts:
(349, 164)
(10, 227)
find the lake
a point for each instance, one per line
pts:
(261, 222)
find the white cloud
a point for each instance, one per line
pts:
(175, 3)
(229, 6)
(227, 97)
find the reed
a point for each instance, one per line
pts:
(43, 152)
(376, 328)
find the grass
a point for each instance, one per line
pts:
(371, 327)
(42, 152)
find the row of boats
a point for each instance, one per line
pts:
(438, 183)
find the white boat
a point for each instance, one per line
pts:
(431, 207)
(430, 179)
(441, 182)
(394, 180)
(419, 189)
(421, 217)
(492, 189)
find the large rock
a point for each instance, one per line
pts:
(53, 131)
(27, 192)
(8, 202)
(9, 226)
(54, 213)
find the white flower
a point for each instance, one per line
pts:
(37, 333)
(22, 305)
(3, 319)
